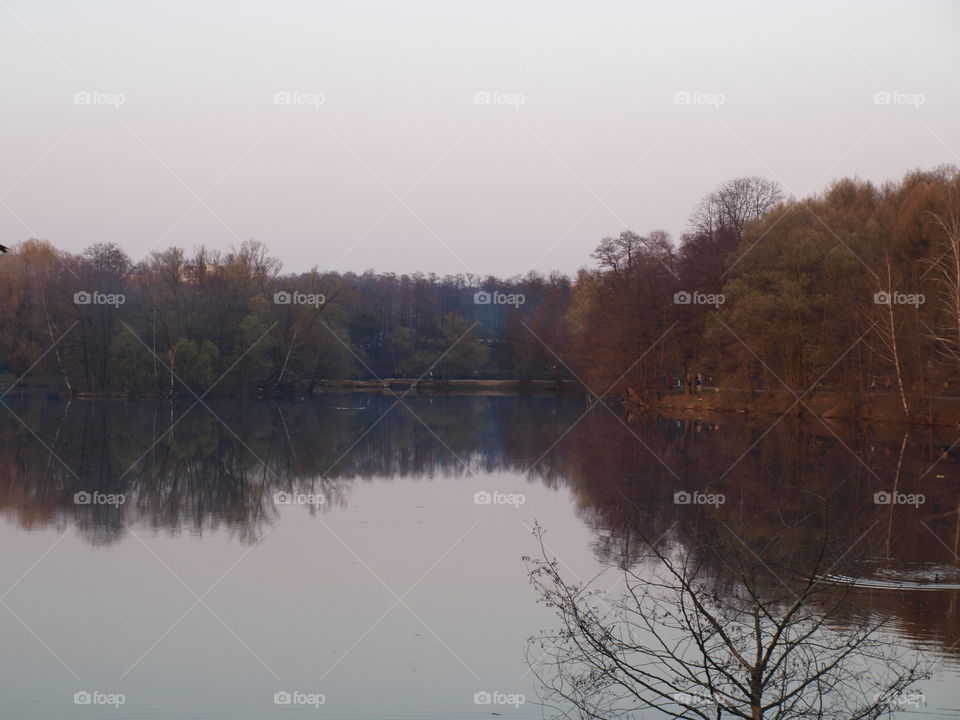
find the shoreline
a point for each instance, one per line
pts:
(498, 387)
(827, 405)
(855, 408)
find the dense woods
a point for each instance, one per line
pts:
(853, 292)
(228, 323)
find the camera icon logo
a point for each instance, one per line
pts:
(82, 298)
(882, 98)
(682, 497)
(682, 298)
(282, 298)
(82, 98)
(482, 498)
(881, 298)
(282, 698)
(882, 498)
(282, 498)
(282, 98)
(82, 498)
(82, 698)
(482, 298)
(682, 97)
(482, 698)
(482, 98)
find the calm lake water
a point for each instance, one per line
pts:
(198, 560)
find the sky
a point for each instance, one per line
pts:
(449, 137)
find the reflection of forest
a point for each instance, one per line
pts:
(799, 479)
(200, 469)
(204, 474)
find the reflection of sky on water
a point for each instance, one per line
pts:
(398, 520)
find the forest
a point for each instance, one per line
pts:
(853, 292)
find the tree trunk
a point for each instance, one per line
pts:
(286, 359)
(171, 357)
(898, 365)
(56, 348)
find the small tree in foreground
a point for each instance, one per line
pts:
(709, 630)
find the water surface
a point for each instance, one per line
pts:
(343, 546)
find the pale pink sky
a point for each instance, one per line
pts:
(400, 169)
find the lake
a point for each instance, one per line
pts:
(358, 556)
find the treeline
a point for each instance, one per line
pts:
(852, 293)
(855, 292)
(226, 323)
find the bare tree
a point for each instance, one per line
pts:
(689, 642)
(628, 251)
(945, 272)
(886, 330)
(735, 203)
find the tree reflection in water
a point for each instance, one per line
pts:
(202, 471)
